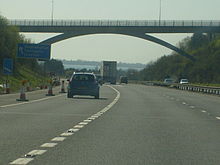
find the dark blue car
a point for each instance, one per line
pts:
(83, 84)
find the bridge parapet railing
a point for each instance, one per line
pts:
(141, 23)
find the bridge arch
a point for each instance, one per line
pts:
(144, 36)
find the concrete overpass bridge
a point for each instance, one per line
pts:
(135, 28)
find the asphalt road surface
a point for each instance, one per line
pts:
(128, 125)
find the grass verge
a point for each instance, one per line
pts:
(23, 73)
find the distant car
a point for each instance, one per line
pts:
(83, 84)
(123, 79)
(184, 81)
(168, 81)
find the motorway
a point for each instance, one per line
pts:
(129, 125)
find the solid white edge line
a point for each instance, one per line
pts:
(29, 102)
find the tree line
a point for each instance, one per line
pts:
(205, 48)
(9, 39)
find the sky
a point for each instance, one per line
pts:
(109, 46)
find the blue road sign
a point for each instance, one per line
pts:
(37, 51)
(7, 66)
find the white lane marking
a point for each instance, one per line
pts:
(218, 118)
(91, 118)
(66, 134)
(104, 110)
(78, 126)
(49, 145)
(99, 114)
(73, 130)
(36, 152)
(38, 100)
(204, 111)
(87, 120)
(83, 123)
(95, 116)
(22, 161)
(58, 139)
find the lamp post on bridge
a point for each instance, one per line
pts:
(52, 12)
(160, 11)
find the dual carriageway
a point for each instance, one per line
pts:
(129, 124)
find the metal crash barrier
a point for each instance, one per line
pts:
(186, 87)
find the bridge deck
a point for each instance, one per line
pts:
(116, 26)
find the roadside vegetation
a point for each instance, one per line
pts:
(204, 71)
(24, 69)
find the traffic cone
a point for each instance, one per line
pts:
(62, 87)
(22, 94)
(50, 91)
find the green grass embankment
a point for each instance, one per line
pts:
(23, 73)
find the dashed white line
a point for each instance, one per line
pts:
(95, 116)
(49, 145)
(22, 161)
(58, 139)
(36, 152)
(91, 118)
(87, 120)
(83, 123)
(66, 134)
(71, 131)
(218, 118)
(203, 111)
(78, 126)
